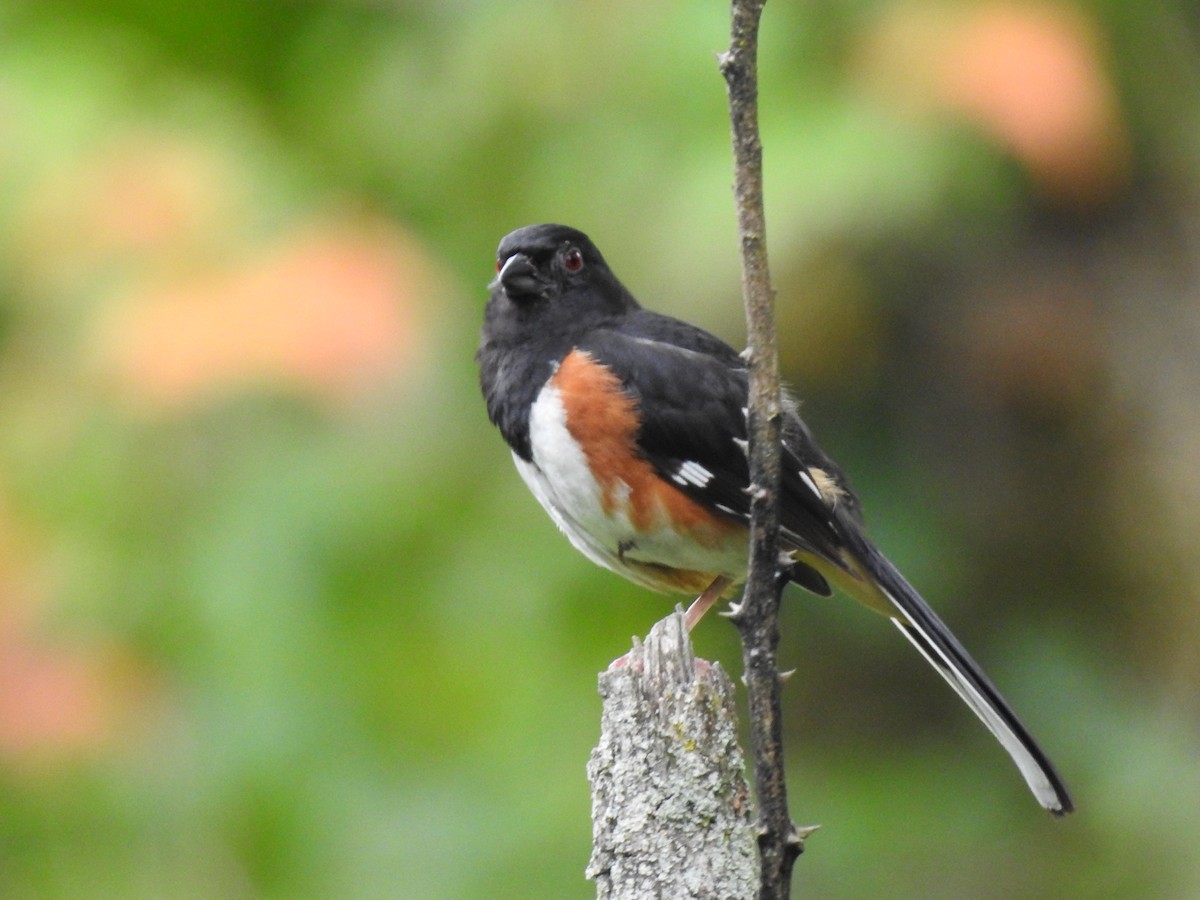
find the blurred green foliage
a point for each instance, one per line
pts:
(278, 619)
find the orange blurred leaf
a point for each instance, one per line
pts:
(330, 311)
(1030, 75)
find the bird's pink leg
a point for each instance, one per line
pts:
(705, 601)
(694, 614)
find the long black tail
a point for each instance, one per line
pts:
(928, 633)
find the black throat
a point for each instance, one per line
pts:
(519, 349)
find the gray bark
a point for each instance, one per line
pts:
(671, 808)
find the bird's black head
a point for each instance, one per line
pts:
(557, 271)
(552, 287)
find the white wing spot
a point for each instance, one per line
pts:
(831, 492)
(690, 472)
(808, 480)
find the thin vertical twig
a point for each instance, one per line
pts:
(757, 616)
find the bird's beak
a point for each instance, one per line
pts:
(520, 279)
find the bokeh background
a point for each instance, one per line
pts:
(278, 619)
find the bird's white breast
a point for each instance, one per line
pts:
(561, 479)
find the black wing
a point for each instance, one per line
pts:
(692, 390)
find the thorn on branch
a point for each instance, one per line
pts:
(797, 837)
(734, 614)
(801, 833)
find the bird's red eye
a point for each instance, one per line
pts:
(572, 259)
(497, 264)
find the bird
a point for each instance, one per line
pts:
(630, 428)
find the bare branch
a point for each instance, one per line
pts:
(779, 841)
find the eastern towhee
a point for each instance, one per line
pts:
(630, 429)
